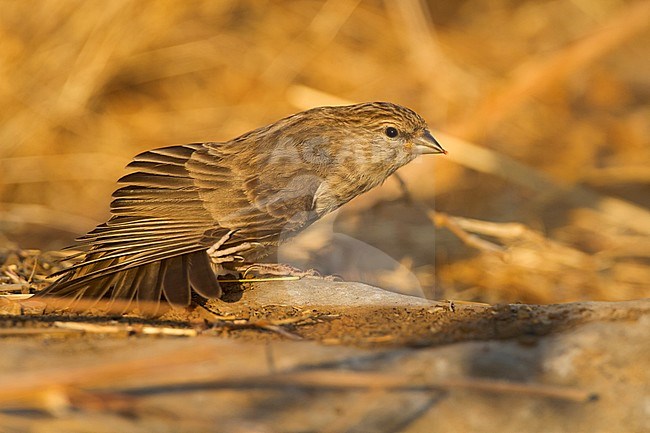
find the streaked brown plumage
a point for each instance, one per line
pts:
(236, 199)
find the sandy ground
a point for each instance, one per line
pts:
(314, 355)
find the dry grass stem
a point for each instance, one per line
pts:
(537, 75)
(126, 329)
(20, 388)
(544, 103)
(455, 226)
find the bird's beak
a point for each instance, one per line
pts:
(426, 144)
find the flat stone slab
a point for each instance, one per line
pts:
(320, 292)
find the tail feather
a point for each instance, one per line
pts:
(176, 281)
(170, 279)
(150, 285)
(202, 278)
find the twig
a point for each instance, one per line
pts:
(350, 380)
(31, 276)
(123, 328)
(14, 287)
(270, 325)
(171, 366)
(6, 332)
(452, 223)
(278, 330)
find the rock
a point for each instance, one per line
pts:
(320, 292)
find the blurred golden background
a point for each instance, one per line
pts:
(543, 106)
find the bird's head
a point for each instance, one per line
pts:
(373, 138)
(378, 133)
(396, 125)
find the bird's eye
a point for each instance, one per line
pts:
(391, 132)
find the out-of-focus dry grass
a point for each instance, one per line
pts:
(560, 87)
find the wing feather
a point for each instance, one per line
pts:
(175, 203)
(142, 252)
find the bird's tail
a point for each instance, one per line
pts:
(121, 287)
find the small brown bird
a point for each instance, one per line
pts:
(186, 208)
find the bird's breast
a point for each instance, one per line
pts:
(340, 187)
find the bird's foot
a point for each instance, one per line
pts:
(214, 249)
(284, 270)
(220, 255)
(228, 254)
